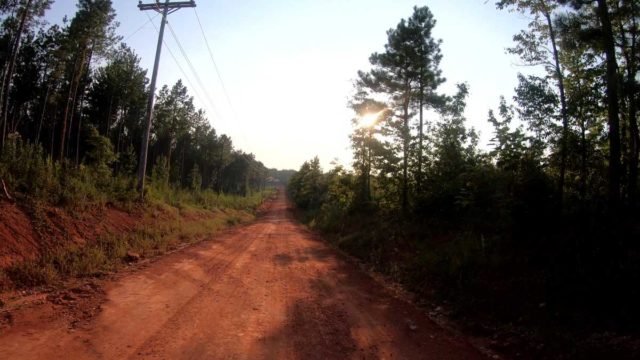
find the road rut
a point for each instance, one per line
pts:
(268, 290)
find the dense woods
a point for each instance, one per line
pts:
(72, 103)
(538, 230)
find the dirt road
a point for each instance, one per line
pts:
(269, 290)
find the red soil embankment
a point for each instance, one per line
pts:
(25, 234)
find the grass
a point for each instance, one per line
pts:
(187, 215)
(204, 199)
(109, 252)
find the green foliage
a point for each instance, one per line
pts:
(25, 168)
(29, 274)
(196, 179)
(205, 199)
(81, 187)
(110, 252)
(307, 186)
(99, 156)
(28, 172)
(328, 198)
(281, 176)
(161, 172)
(403, 79)
(337, 202)
(127, 162)
(76, 93)
(525, 223)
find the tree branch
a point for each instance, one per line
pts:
(4, 188)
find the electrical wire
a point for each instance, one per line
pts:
(177, 63)
(193, 70)
(215, 66)
(223, 87)
(141, 27)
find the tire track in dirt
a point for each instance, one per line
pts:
(197, 312)
(269, 290)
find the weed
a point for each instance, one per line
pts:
(32, 273)
(109, 251)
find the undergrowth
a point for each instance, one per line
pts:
(32, 176)
(110, 252)
(37, 183)
(492, 287)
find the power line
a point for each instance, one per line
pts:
(215, 66)
(144, 147)
(141, 27)
(193, 70)
(224, 89)
(175, 59)
(215, 112)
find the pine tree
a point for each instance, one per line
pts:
(402, 76)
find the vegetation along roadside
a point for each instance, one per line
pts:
(531, 243)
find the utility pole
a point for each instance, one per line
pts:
(166, 9)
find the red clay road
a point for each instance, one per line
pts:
(268, 290)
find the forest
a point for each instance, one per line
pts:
(536, 236)
(72, 104)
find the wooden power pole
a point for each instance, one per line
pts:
(166, 9)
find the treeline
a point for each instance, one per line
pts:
(541, 228)
(281, 177)
(72, 106)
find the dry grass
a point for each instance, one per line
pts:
(109, 252)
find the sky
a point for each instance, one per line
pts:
(288, 66)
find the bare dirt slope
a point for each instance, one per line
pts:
(269, 290)
(25, 235)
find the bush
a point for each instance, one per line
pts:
(31, 273)
(25, 169)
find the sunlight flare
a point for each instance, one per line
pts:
(369, 120)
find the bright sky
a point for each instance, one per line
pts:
(288, 65)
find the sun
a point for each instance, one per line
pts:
(369, 120)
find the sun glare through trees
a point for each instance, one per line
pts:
(501, 196)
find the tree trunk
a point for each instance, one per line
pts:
(16, 117)
(405, 156)
(63, 131)
(44, 109)
(72, 97)
(53, 130)
(169, 159)
(630, 146)
(420, 140)
(219, 174)
(79, 89)
(563, 108)
(6, 84)
(583, 160)
(369, 166)
(120, 130)
(106, 131)
(79, 131)
(634, 148)
(119, 139)
(182, 177)
(5, 191)
(367, 193)
(612, 105)
(631, 89)
(364, 169)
